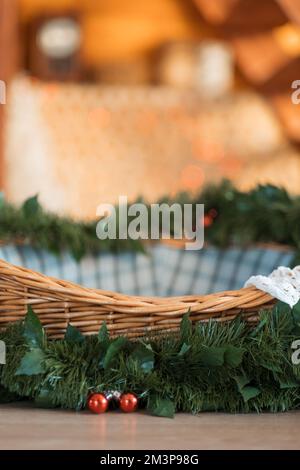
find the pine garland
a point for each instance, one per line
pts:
(265, 214)
(206, 366)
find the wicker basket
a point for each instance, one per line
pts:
(59, 303)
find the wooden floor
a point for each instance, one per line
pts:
(24, 427)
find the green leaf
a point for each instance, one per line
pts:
(213, 357)
(32, 363)
(241, 381)
(31, 206)
(163, 407)
(78, 252)
(73, 335)
(103, 335)
(249, 392)
(185, 328)
(184, 349)
(285, 384)
(233, 356)
(144, 357)
(281, 308)
(263, 321)
(33, 330)
(113, 350)
(270, 366)
(296, 313)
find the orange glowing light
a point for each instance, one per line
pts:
(51, 89)
(100, 117)
(192, 177)
(207, 151)
(146, 121)
(288, 38)
(231, 166)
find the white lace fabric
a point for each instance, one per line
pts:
(283, 284)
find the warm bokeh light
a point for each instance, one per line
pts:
(100, 117)
(288, 38)
(204, 150)
(192, 177)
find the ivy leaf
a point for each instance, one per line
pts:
(103, 335)
(163, 407)
(32, 363)
(241, 381)
(213, 357)
(233, 356)
(144, 357)
(113, 350)
(186, 328)
(73, 335)
(284, 384)
(31, 206)
(249, 392)
(33, 330)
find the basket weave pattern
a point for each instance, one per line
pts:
(58, 303)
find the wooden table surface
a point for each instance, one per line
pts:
(25, 427)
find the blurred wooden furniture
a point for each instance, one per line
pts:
(266, 39)
(118, 31)
(8, 58)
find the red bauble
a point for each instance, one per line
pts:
(98, 403)
(128, 402)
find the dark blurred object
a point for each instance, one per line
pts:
(55, 47)
(134, 72)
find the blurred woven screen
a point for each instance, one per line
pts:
(83, 145)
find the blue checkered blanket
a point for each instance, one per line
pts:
(163, 271)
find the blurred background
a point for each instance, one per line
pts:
(146, 97)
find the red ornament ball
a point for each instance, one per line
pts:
(97, 403)
(128, 402)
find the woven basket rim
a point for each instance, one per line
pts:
(59, 302)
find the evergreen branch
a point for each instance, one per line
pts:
(207, 366)
(265, 214)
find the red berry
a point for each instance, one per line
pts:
(208, 220)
